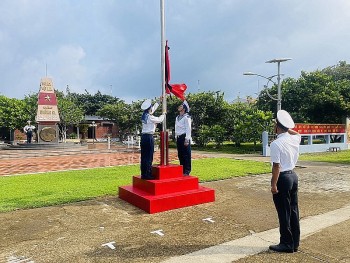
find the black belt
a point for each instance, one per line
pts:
(182, 135)
(287, 172)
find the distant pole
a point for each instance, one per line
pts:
(279, 95)
(162, 23)
(279, 92)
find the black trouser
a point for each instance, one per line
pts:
(29, 136)
(147, 150)
(184, 154)
(286, 203)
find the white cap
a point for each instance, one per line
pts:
(185, 103)
(285, 119)
(146, 104)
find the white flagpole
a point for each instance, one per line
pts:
(162, 23)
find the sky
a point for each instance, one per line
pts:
(113, 46)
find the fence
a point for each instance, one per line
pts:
(315, 138)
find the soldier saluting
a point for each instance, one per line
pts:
(284, 182)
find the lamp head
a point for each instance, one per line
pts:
(276, 60)
(248, 73)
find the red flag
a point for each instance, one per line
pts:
(177, 89)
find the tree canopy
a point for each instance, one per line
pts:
(322, 96)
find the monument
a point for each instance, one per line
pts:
(47, 115)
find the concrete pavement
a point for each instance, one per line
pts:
(259, 242)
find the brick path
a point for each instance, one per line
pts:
(13, 162)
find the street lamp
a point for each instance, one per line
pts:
(266, 85)
(93, 125)
(278, 75)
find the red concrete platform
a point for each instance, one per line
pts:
(170, 190)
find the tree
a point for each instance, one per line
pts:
(321, 96)
(218, 133)
(90, 103)
(235, 122)
(340, 71)
(31, 102)
(244, 122)
(203, 135)
(70, 113)
(13, 113)
(258, 121)
(119, 113)
(206, 108)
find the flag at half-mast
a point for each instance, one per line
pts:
(177, 89)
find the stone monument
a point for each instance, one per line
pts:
(47, 115)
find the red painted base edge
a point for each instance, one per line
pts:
(161, 172)
(159, 203)
(166, 186)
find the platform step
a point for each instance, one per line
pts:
(159, 203)
(161, 172)
(166, 186)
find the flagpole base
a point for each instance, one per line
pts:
(164, 148)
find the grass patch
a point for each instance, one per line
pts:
(212, 169)
(342, 157)
(46, 189)
(229, 147)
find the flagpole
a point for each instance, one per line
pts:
(162, 23)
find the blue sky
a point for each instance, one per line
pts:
(114, 45)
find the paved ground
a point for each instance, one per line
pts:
(15, 162)
(82, 232)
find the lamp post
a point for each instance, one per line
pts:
(278, 75)
(93, 125)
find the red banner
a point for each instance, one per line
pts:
(306, 128)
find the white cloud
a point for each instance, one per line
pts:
(95, 44)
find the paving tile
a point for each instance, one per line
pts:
(21, 162)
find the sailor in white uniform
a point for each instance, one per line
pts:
(183, 137)
(149, 123)
(284, 182)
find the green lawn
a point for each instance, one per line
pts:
(331, 157)
(229, 147)
(38, 190)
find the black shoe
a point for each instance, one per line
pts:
(147, 177)
(296, 249)
(281, 248)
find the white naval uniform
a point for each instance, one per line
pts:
(183, 141)
(147, 142)
(285, 151)
(150, 126)
(183, 126)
